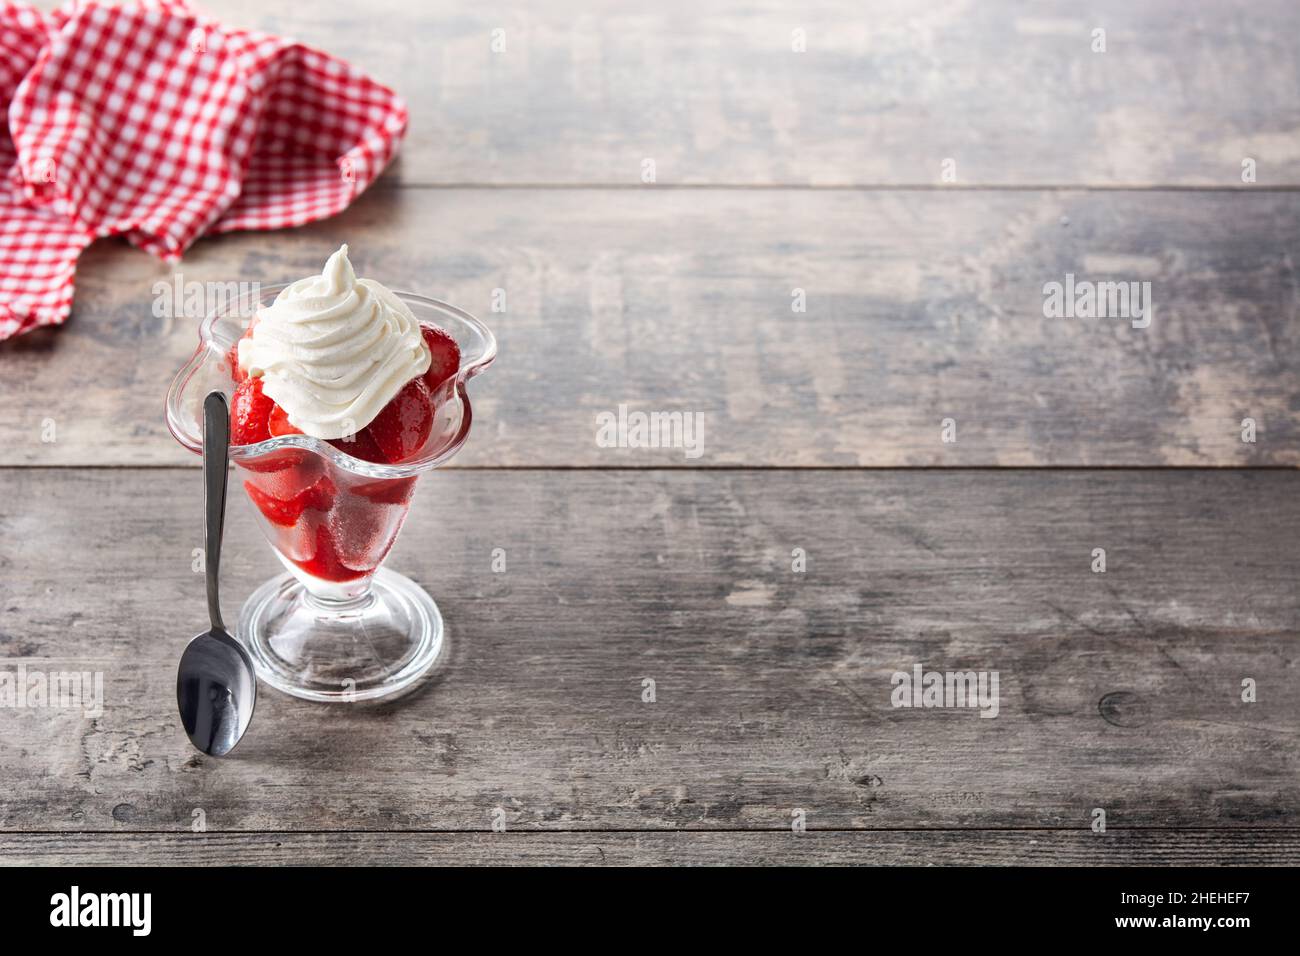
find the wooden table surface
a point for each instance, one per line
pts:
(776, 170)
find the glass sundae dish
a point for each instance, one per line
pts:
(342, 394)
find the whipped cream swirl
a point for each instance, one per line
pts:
(333, 350)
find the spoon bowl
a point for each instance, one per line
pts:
(215, 691)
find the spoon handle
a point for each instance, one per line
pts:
(216, 455)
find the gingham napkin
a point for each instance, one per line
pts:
(154, 122)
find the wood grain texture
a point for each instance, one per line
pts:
(920, 306)
(1118, 690)
(713, 93)
(695, 848)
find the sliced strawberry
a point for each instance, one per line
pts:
(249, 412)
(317, 497)
(403, 425)
(445, 355)
(278, 423)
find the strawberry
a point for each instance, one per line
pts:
(361, 446)
(387, 491)
(325, 562)
(233, 355)
(233, 358)
(278, 423)
(403, 425)
(286, 473)
(249, 411)
(316, 497)
(445, 355)
(255, 417)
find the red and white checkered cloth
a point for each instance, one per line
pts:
(154, 122)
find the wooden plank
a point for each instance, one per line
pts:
(884, 93)
(919, 307)
(1119, 690)
(695, 848)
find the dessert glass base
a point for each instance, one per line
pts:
(377, 643)
(338, 626)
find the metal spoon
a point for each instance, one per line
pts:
(215, 686)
